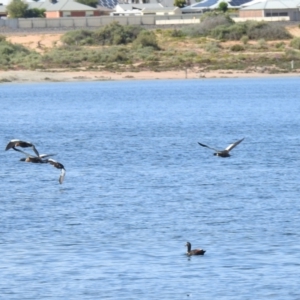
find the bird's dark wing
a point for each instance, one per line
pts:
(27, 154)
(55, 163)
(58, 165)
(11, 144)
(231, 146)
(22, 144)
(208, 147)
(35, 151)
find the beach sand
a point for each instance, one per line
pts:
(69, 76)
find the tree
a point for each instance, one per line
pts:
(17, 9)
(179, 3)
(92, 3)
(35, 13)
(223, 6)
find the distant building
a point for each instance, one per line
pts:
(144, 9)
(65, 8)
(272, 8)
(145, 3)
(206, 5)
(3, 12)
(58, 9)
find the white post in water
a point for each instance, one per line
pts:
(292, 64)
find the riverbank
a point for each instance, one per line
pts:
(76, 76)
(254, 61)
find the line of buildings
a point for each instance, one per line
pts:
(284, 9)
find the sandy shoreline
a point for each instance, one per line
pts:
(77, 76)
(43, 42)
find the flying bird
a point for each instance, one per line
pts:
(195, 251)
(38, 158)
(58, 166)
(225, 152)
(35, 159)
(18, 143)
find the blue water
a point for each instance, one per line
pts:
(138, 187)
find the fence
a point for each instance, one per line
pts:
(68, 23)
(89, 22)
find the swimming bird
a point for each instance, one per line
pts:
(225, 152)
(58, 166)
(195, 251)
(18, 143)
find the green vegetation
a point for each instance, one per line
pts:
(244, 39)
(223, 28)
(237, 47)
(13, 56)
(216, 43)
(92, 3)
(19, 9)
(35, 13)
(223, 6)
(295, 43)
(146, 39)
(180, 3)
(112, 34)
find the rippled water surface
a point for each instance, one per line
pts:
(138, 186)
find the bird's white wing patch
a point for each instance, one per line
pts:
(231, 146)
(46, 155)
(62, 176)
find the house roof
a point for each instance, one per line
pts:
(237, 3)
(126, 7)
(205, 4)
(161, 9)
(104, 8)
(212, 4)
(108, 3)
(273, 4)
(61, 5)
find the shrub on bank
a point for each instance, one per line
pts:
(146, 39)
(111, 34)
(222, 27)
(237, 47)
(78, 37)
(208, 22)
(116, 34)
(295, 43)
(266, 30)
(12, 55)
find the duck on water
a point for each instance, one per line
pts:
(195, 251)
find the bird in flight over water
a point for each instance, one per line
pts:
(225, 152)
(38, 158)
(58, 165)
(18, 143)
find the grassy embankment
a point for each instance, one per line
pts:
(217, 43)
